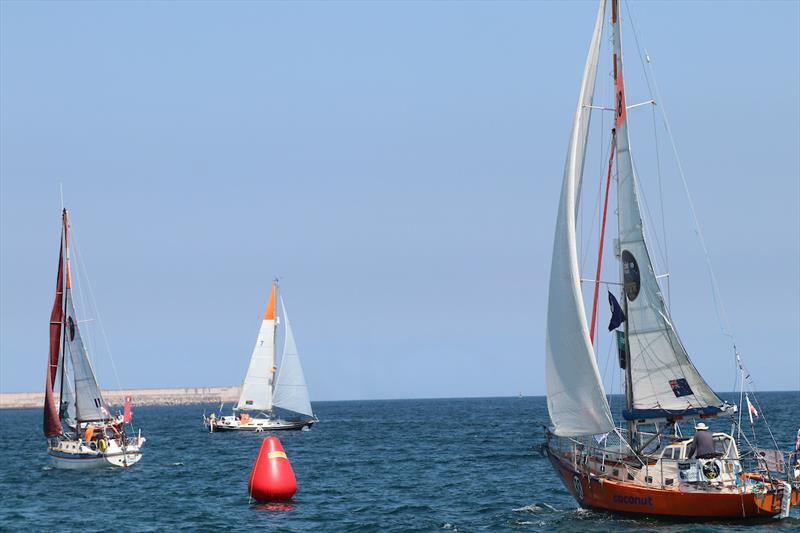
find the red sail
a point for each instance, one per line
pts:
(52, 424)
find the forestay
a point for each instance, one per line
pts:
(257, 388)
(664, 381)
(575, 396)
(291, 392)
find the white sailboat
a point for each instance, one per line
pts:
(81, 431)
(272, 398)
(648, 466)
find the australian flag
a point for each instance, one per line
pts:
(617, 314)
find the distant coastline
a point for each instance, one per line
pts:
(163, 396)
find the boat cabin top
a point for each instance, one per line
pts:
(724, 448)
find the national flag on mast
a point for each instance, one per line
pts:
(127, 415)
(617, 314)
(750, 409)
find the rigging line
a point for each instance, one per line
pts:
(651, 236)
(661, 206)
(99, 319)
(719, 307)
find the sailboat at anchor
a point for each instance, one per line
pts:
(647, 466)
(272, 398)
(80, 429)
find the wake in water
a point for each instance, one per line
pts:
(537, 508)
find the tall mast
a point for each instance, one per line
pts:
(62, 353)
(272, 371)
(621, 127)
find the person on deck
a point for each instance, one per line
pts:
(702, 446)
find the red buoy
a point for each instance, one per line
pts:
(272, 478)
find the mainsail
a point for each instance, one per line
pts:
(575, 396)
(664, 382)
(291, 392)
(52, 424)
(257, 388)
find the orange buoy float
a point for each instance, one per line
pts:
(272, 477)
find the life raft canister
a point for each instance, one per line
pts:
(272, 477)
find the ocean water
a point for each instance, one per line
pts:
(403, 465)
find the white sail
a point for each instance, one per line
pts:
(664, 381)
(257, 388)
(66, 407)
(89, 401)
(291, 392)
(575, 396)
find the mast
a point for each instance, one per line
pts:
(273, 368)
(62, 355)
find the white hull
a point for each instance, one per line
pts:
(76, 455)
(230, 423)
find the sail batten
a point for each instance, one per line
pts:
(663, 381)
(576, 399)
(291, 392)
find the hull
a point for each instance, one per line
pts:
(255, 424)
(101, 453)
(612, 495)
(90, 461)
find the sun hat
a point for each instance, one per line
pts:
(701, 426)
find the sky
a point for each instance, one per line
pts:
(398, 166)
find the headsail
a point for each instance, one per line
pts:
(575, 396)
(89, 401)
(664, 381)
(291, 392)
(257, 388)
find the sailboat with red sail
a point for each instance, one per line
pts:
(80, 429)
(645, 464)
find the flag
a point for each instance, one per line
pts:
(617, 315)
(128, 414)
(750, 409)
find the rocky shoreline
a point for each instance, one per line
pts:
(173, 396)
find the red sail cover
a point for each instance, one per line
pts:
(52, 424)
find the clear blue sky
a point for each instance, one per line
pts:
(398, 164)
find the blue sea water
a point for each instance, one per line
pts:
(402, 465)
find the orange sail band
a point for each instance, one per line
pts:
(270, 312)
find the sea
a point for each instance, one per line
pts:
(383, 466)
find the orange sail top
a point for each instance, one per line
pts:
(270, 312)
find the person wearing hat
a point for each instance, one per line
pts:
(702, 445)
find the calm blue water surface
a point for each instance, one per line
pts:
(404, 465)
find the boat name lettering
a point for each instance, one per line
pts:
(634, 500)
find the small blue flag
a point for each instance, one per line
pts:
(617, 315)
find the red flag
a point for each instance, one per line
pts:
(127, 415)
(751, 410)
